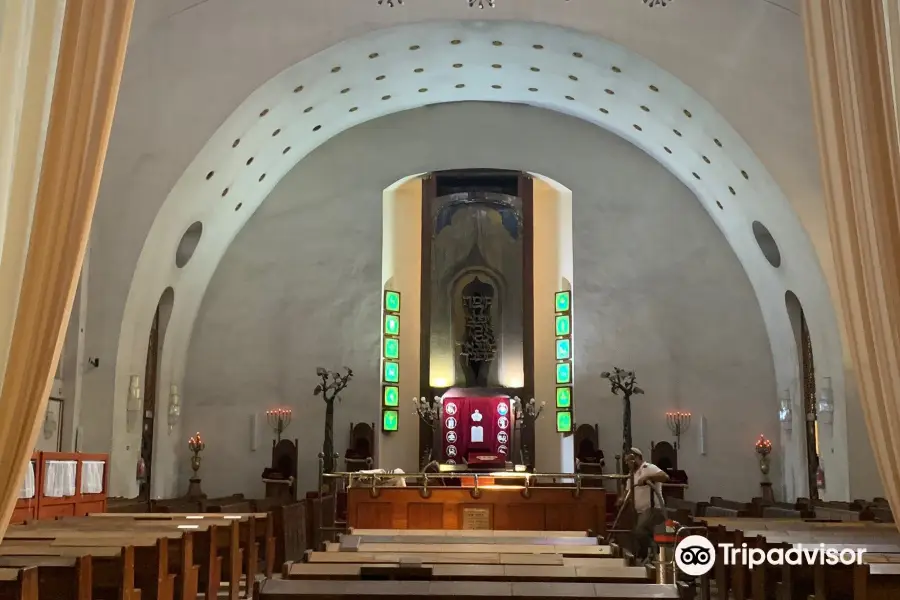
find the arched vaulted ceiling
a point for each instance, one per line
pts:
(404, 67)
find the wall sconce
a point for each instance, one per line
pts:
(825, 406)
(174, 407)
(50, 424)
(135, 406)
(785, 412)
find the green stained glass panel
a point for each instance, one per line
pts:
(563, 349)
(390, 420)
(391, 396)
(392, 301)
(391, 325)
(563, 373)
(391, 372)
(563, 421)
(563, 325)
(563, 301)
(563, 397)
(391, 348)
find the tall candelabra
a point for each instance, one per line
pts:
(196, 445)
(625, 383)
(678, 422)
(279, 419)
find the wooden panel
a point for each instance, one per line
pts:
(371, 514)
(522, 516)
(421, 515)
(553, 509)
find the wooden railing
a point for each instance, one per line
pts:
(75, 502)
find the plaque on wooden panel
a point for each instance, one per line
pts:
(476, 518)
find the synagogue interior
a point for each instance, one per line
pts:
(487, 298)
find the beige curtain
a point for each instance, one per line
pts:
(53, 137)
(849, 46)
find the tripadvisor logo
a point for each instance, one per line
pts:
(695, 555)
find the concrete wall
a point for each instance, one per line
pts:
(656, 289)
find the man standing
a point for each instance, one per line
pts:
(648, 500)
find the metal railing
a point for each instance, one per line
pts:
(524, 481)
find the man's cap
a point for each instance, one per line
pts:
(636, 452)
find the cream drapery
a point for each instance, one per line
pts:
(53, 137)
(851, 45)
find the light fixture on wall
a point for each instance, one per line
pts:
(481, 3)
(50, 423)
(785, 412)
(174, 407)
(825, 405)
(135, 405)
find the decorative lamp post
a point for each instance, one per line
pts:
(763, 448)
(331, 384)
(279, 419)
(679, 422)
(624, 382)
(196, 445)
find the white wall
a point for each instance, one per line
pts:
(401, 271)
(553, 272)
(656, 286)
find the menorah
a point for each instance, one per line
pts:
(678, 422)
(429, 412)
(279, 419)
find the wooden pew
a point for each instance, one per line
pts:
(428, 549)
(694, 509)
(59, 578)
(782, 512)
(18, 584)
(279, 589)
(805, 580)
(257, 535)
(608, 573)
(217, 545)
(445, 540)
(112, 568)
(123, 563)
(165, 558)
(840, 513)
(289, 523)
(469, 533)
